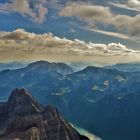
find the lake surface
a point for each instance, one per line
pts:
(86, 133)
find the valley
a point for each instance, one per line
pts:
(107, 98)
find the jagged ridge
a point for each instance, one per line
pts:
(23, 118)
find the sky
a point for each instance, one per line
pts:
(90, 31)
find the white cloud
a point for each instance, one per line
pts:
(87, 12)
(36, 46)
(108, 33)
(133, 5)
(37, 42)
(36, 12)
(125, 24)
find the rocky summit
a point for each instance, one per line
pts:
(23, 118)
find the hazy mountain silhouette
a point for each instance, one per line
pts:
(104, 101)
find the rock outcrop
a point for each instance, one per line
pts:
(23, 118)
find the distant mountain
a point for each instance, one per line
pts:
(40, 73)
(78, 66)
(60, 68)
(79, 96)
(126, 67)
(22, 117)
(12, 65)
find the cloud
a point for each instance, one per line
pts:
(99, 13)
(20, 40)
(19, 34)
(36, 46)
(36, 11)
(108, 33)
(134, 4)
(129, 25)
(128, 6)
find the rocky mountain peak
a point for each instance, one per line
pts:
(19, 92)
(22, 103)
(23, 118)
(38, 64)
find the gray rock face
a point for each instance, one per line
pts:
(23, 118)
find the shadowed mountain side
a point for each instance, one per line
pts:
(23, 118)
(82, 93)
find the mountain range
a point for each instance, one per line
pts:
(12, 65)
(104, 101)
(126, 67)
